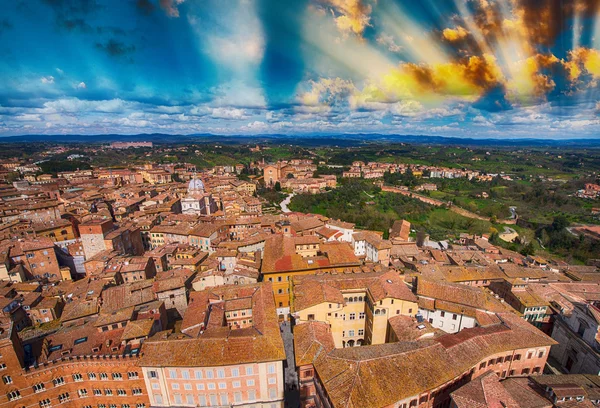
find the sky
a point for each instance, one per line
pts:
(466, 68)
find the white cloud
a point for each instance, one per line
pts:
(47, 79)
(81, 85)
(389, 42)
(229, 113)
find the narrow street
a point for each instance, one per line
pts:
(292, 394)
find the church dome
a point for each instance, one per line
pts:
(195, 185)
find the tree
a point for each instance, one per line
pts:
(421, 238)
(528, 249)
(278, 186)
(560, 223)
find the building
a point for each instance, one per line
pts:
(197, 200)
(356, 307)
(453, 307)
(578, 335)
(285, 257)
(99, 235)
(413, 373)
(230, 353)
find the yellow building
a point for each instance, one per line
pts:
(356, 306)
(285, 257)
(57, 230)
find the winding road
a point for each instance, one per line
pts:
(284, 204)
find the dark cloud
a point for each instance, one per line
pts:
(73, 6)
(145, 6)
(5, 25)
(115, 48)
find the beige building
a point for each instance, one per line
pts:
(356, 307)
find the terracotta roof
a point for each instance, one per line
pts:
(137, 329)
(369, 376)
(218, 346)
(310, 290)
(482, 392)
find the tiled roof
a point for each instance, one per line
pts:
(310, 290)
(369, 376)
(220, 345)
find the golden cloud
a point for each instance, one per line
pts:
(455, 34)
(583, 60)
(351, 16)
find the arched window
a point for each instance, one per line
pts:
(350, 343)
(360, 298)
(355, 298)
(359, 342)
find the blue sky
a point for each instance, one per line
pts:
(469, 68)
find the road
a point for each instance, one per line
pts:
(284, 204)
(291, 393)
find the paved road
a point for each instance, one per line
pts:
(284, 204)
(292, 394)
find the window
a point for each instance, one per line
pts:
(7, 379)
(92, 376)
(185, 374)
(352, 316)
(517, 357)
(249, 370)
(525, 371)
(235, 372)
(209, 374)
(361, 332)
(14, 395)
(481, 366)
(224, 399)
(237, 397)
(103, 376)
(236, 384)
(189, 399)
(198, 374)
(271, 368)
(220, 373)
(58, 381)
(251, 395)
(175, 386)
(77, 377)
(361, 315)
(211, 386)
(132, 375)
(108, 392)
(45, 403)
(202, 400)
(442, 313)
(82, 392)
(39, 387)
(250, 383)
(172, 374)
(350, 333)
(187, 387)
(2, 366)
(97, 392)
(200, 387)
(272, 380)
(136, 391)
(121, 393)
(541, 354)
(64, 397)
(117, 376)
(222, 385)
(454, 316)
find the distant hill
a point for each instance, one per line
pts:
(310, 140)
